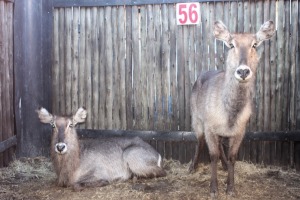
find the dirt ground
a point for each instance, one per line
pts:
(33, 179)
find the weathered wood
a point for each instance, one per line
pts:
(32, 77)
(137, 91)
(82, 71)
(187, 79)
(10, 82)
(91, 3)
(68, 61)
(121, 64)
(165, 61)
(159, 121)
(149, 60)
(88, 67)
(2, 81)
(173, 102)
(129, 93)
(95, 67)
(62, 64)
(75, 59)
(108, 68)
(294, 51)
(102, 65)
(143, 98)
(185, 135)
(6, 144)
(280, 66)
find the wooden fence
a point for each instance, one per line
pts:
(7, 133)
(133, 68)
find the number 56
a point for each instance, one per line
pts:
(187, 13)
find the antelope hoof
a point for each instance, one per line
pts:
(214, 195)
(192, 169)
(231, 192)
(77, 187)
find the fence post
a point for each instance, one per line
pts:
(32, 64)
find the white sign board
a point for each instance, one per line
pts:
(188, 13)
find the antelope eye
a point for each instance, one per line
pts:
(71, 125)
(231, 45)
(254, 45)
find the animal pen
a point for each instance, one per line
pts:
(133, 68)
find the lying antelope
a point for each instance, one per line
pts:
(89, 163)
(221, 101)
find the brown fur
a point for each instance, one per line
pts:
(221, 101)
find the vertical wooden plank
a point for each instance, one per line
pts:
(108, 64)
(260, 81)
(173, 69)
(6, 77)
(56, 55)
(205, 35)
(68, 60)
(286, 68)
(116, 73)
(82, 70)
(75, 56)
(9, 19)
(129, 113)
(136, 68)
(62, 39)
(280, 67)
(279, 76)
(233, 25)
(240, 19)
(211, 38)
(3, 36)
(151, 66)
(165, 61)
(158, 68)
(102, 66)
(294, 51)
(88, 68)
(267, 73)
(186, 72)
(267, 101)
(181, 77)
(95, 66)
(32, 76)
(260, 70)
(273, 64)
(121, 64)
(220, 55)
(141, 97)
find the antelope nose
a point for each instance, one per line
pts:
(243, 73)
(60, 148)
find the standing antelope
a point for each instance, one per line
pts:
(90, 163)
(221, 101)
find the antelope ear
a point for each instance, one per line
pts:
(221, 33)
(80, 116)
(44, 116)
(265, 32)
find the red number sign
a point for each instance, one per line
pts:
(187, 13)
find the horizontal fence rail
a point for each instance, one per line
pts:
(93, 3)
(6, 144)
